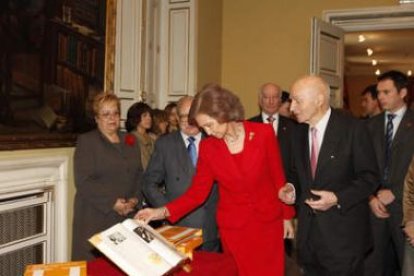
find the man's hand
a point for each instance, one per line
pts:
(409, 232)
(287, 194)
(378, 208)
(326, 200)
(385, 196)
(288, 229)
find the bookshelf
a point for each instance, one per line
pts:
(45, 89)
(76, 58)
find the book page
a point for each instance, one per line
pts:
(155, 241)
(131, 254)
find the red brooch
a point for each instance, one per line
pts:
(130, 139)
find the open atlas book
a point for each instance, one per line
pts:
(138, 249)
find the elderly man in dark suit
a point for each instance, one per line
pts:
(173, 163)
(392, 135)
(334, 174)
(270, 100)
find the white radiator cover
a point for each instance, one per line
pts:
(19, 176)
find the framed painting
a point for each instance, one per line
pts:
(55, 56)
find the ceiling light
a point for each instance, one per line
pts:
(409, 73)
(374, 62)
(370, 52)
(378, 72)
(361, 38)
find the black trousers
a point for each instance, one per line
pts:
(387, 256)
(317, 260)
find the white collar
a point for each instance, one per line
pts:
(185, 137)
(323, 122)
(399, 113)
(265, 116)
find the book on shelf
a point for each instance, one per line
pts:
(138, 249)
(57, 269)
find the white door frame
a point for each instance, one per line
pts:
(370, 19)
(327, 57)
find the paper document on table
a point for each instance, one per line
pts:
(138, 249)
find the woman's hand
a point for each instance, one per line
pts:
(287, 194)
(149, 214)
(123, 207)
(132, 203)
(120, 206)
(288, 229)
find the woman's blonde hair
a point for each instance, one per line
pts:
(103, 98)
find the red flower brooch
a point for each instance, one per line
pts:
(130, 140)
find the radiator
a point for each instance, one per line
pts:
(25, 230)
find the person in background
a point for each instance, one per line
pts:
(270, 98)
(139, 122)
(171, 110)
(108, 170)
(392, 135)
(243, 157)
(284, 108)
(159, 122)
(334, 173)
(369, 102)
(171, 164)
(408, 221)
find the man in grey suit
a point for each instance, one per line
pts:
(392, 135)
(172, 164)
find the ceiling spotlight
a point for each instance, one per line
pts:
(370, 52)
(374, 62)
(361, 38)
(378, 72)
(409, 73)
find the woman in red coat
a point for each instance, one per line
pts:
(243, 157)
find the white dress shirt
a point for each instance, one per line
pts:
(275, 121)
(196, 141)
(321, 128)
(399, 114)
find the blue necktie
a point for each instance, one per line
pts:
(191, 149)
(388, 144)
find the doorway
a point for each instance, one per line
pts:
(371, 53)
(391, 19)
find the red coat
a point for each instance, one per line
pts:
(248, 197)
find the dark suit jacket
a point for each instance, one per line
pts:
(402, 153)
(284, 135)
(170, 164)
(103, 173)
(345, 167)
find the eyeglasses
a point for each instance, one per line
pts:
(107, 114)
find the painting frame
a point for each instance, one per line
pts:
(21, 141)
